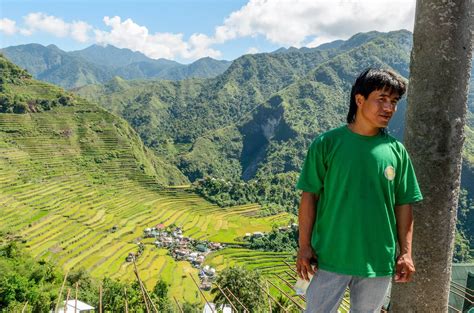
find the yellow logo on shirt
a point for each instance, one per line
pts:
(389, 173)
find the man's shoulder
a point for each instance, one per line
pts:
(397, 147)
(394, 142)
(328, 139)
(330, 134)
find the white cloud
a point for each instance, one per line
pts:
(79, 31)
(284, 22)
(41, 22)
(128, 34)
(8, 26)
(46, 23)
(302, 22)
(252, 50)
(199, 46)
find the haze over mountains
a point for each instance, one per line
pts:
(97, 64)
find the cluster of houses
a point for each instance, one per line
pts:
(184, 248)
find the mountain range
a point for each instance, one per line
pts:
(97, 64)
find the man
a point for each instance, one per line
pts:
(358, 183)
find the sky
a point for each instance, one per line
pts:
(186, 30)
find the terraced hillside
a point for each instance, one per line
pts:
(64, 205)
(78, 187)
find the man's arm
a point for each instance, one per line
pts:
(404, 267)
(306, 219)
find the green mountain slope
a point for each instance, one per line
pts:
(56, 66)
(93, 137)
(111, 56)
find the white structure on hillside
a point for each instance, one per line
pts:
(81, 306)
(223, 308)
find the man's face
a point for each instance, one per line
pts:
(377, 110)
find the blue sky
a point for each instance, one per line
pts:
(185, 30)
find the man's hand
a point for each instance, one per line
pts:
(404, 269)
(303, 265)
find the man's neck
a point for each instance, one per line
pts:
(363, 130)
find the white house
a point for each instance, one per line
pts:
(212, 308)
(71, 304)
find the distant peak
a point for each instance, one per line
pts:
(280, 50)
(204, 59)
(101, 47)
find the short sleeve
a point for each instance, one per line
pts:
(314, 169)
(407, 190)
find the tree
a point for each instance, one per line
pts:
(160, 297)
(23, 279)
(244, 284)
(191, 307)
(161, 289)
(20, 107)
(435, 118)
(114, 297)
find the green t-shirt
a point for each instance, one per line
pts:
(359, 180)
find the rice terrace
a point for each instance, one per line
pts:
(64, 211)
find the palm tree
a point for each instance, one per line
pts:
(440, 68)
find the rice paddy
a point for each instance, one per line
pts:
(74, 187)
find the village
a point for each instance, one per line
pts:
(181, 248)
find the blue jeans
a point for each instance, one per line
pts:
(325, 292)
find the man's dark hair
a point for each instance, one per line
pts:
(374, 79)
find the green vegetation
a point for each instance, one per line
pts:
(275, 193)
(24, 280)
(34, 286)
(464, 240)
(242, 283)
(257, 118)
(270, 265)
(278, 240)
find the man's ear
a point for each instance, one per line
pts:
(359, 99)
